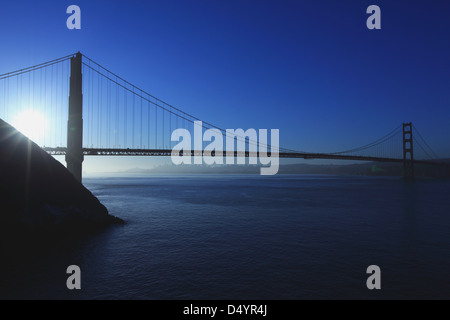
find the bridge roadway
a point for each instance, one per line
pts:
(291, 155)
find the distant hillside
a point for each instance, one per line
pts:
(362, 169)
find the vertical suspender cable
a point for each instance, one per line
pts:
(163, 133)
(148, 124)
(125, 117)
(132, 120)
(98, 112)
(108, 112)
(140, 146)
(117, 117)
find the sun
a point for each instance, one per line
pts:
(32, 124)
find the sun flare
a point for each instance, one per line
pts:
(32, 124)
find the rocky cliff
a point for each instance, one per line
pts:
(37, 193)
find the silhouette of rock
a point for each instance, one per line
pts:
(38, 194)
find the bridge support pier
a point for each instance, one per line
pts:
(408, 154)
(74, 155)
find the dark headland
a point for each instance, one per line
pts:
(39, 197)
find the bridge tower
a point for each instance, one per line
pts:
(408, 154)
(74, 155)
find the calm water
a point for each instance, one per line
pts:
(253, 237)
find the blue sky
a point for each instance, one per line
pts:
(309, 68)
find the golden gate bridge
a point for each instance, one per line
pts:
(89, 110)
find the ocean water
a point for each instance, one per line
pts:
(253, 237)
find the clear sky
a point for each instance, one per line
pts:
(309, 68)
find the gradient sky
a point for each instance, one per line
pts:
(310, 68)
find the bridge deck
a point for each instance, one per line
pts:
(290, 155)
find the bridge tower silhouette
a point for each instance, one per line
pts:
(74, 155)
(408, 153)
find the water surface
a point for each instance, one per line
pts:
(254, 237)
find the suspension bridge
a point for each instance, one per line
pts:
(84, 109)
